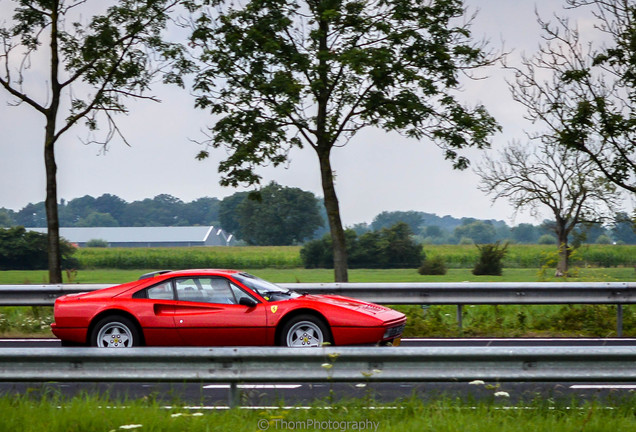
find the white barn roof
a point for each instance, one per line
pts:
(146, 236)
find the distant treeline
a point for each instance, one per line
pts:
(112, 211)
(280, 215)
(432, 229)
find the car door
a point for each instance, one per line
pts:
(208, 313)
(154, 308)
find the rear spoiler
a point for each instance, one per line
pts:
(153, 274)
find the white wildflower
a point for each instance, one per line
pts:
(502, 394)
(477, 382)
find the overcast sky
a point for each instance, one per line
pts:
(375, 171)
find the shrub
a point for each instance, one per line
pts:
(490, 259)
(433, 266)
(387, 248)
(466, 241)
(97, 243)
(603, 239)
(28, 250)
(317, 253)
(547, 239)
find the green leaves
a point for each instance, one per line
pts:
(278, 216)
(282, 72)
(588, 105)
(117, 54)
(573, 75)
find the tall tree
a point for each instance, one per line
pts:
(387, 219)
(6, 218)
(552, 177)
(477, 232)
(162, 210)
(280, 216)
(589, 97)
(228, 213)
(287, 73)
(624, 228)
(96, 64)
(202, 211)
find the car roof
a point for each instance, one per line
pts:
(191, 272)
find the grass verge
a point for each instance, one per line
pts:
(291, 275)
(55, 414)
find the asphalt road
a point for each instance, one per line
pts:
(272, 394)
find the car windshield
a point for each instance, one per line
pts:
(265, 289)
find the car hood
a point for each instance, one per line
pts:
(352, 304)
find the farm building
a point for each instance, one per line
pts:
(147, 236)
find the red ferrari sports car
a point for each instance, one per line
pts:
(218, 308)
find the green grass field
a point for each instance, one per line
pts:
(291, 275)
(192, 257)
(98, 413)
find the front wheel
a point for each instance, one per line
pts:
(305, 331)
(115, 332)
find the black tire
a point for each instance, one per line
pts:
(305, 331)
(115, 331)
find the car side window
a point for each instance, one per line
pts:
(239, 293)
(205, 290)
(162, 291)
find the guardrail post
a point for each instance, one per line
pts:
(460, 319)
(234, 396)
(619, 320)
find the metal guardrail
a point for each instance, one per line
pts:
(475, 293)
(41, 295)
(331, 364)
(396, 293)
(480, 292)
(460, 294)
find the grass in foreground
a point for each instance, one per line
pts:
(97, 413)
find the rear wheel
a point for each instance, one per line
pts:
(305, 331)
(115, 332)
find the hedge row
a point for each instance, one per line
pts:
(196, 257)
(536, 256)
(455, 256)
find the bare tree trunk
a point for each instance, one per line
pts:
(333, 216)
(564, 255)
(52, 218)
(323, 147)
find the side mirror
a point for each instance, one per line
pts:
(247, 301)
